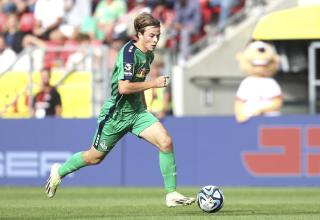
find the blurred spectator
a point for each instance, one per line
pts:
(7, 55)
(187, 23)
(18, 6)
(13, 34)
(165, 15)
(11, 28)
(125, 23)
(225, 11)
(81, 57)
(94, 4)
(51, 57)
(158, 100)
(118, 40)
(30, 5)
(102, 24)
(153, 3)
(74, 14)
(9, 7)
(48, 17)
(46, 102)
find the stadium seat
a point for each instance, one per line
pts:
(3, 21)
(27, 22)
(52, 58)
(70, 46)
(205, 10)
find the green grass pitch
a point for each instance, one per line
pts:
(148, 204)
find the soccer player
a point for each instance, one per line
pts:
(126, 112)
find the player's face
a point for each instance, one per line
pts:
(150, 38)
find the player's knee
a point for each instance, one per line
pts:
(93, 160)
(166, 144)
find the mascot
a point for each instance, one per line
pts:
(258, 94)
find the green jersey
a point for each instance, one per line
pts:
(134, 65)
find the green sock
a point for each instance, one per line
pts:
(75, 162)
(168, 170)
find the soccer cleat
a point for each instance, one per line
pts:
(53, 181)
(175, 199)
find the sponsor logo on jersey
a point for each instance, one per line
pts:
(141, 73)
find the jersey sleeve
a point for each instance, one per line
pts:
(127, 64)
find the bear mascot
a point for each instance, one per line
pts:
(258, 94)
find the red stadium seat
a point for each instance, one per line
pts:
(3, 21)
(27, 22)
(71, 46)
(52, 58)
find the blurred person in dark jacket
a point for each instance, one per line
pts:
(46, 102)
(187, 22)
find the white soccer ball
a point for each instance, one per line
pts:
(210, 199)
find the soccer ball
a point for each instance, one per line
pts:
(210, 199)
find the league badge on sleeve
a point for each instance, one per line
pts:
(128, 71)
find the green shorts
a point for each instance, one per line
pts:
(110, 132)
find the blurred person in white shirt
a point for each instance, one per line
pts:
(7, 55)
(48, 15)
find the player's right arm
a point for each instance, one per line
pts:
(128, 87)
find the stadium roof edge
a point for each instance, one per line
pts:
(299, 23)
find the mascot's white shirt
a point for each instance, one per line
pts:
(256, 92)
